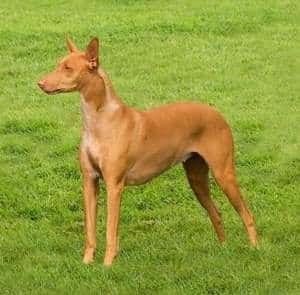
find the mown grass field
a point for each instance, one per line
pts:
(240, 56)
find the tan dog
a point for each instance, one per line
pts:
(125, 146)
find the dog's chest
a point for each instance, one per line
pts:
(90, 142)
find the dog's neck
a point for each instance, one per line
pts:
(98, 98)
(98, 92)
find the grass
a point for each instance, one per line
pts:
(240, 56)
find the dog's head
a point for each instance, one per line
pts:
(72, 69)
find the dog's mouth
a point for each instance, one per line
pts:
(52, 92)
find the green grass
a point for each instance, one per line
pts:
(240, 56)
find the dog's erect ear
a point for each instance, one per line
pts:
(71, 46)
(92, 53)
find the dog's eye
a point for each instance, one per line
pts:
(67, 67)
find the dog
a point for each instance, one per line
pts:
(124, 146)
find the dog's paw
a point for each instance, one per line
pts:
(109, 257)
(108, 262)
(88, 260)
(88, 256)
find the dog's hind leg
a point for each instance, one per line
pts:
(197, 174)
(219, 156)
(227, 181)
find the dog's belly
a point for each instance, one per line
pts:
(138, 175)
(149, 167)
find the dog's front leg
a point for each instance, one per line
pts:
(114, 191)
(90, 193)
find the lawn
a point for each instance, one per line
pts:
(241, 57)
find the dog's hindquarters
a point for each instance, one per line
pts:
(216, 148)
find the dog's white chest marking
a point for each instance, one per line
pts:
(89, 141)
(86, 114)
